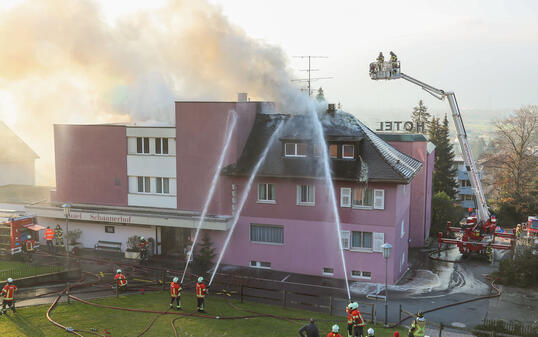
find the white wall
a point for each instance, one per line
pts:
(151, 166)
(22, 173)
(152, 200)
(148, 131)
(93, 232)
(131, 147)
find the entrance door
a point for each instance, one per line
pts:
(175, 240)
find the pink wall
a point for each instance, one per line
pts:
(200, 134)
(91, 164)
(418, 220)
(309, 231)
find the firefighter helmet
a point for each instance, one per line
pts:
(118, 271)
(370, 332)
(10, 280)
(336, 328)
(200, 279)
(355, 305)
(29, 237)
(175, 280)
(142, 238)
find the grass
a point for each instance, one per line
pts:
(16, 269)
(31, 321)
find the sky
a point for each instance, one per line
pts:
(80, 71)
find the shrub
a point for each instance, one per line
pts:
(444, 209)
(522, 271)
(132, 243)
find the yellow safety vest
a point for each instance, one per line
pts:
(420, 328)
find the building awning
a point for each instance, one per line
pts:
(34, 227)
(131, 216)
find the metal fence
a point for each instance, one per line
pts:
(492, 327)
(28, 270)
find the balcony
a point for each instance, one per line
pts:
(467, 204)
(465, 190)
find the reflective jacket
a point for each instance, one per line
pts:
(49, 234)
(200, 290)
(29, 244)
(349, 316)
(418, 328)
(8, 291)
(121, 280)
(357, 318)
(58, 233)
(334, 334)
(175, 289)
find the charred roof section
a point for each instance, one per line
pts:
(372, 158)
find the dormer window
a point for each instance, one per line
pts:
(295, 149)
(333, 151)
(348, 151)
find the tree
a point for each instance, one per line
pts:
(444, 209)
(444, 169)
(203, 259)
(420, 114)
(320, 96)
(513, 163)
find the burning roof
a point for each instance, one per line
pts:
(377, 161)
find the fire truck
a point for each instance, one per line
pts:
(14, 229)
(479, 232)
(532, 226)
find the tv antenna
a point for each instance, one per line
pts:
(309, 70)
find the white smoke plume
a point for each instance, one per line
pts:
(61, 62)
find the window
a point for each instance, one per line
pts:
(465, 183)
(295, 149)
(361, 274)
(144, 185)
(346, 238)
(333, 151)
(328, 271)
(379, 199)
(348, 151)
(362, 197)
(266, 193)
(267, 234)
(402, 234)
(260, 264)
(109, 229)
(142, 145)
(345, 197)
(163, 185)
(306, 195)
(467, 197)
(161, 145)
(361, 240)
(316, 149)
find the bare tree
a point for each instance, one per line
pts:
(513, 160)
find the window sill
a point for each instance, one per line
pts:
(368, 208)
(310, 204)
(157, 194)
(268, 243)
(361, 250)
(256, 267)
(266, 202)
(327, 274)
(151, 155)
(295, 156)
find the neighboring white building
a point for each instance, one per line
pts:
(17, 159)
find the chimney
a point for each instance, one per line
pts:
(331, 109)
(242, 97)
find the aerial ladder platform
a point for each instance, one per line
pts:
(479, 233)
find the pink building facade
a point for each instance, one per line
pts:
(153, 181)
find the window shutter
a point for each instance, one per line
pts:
(379, 240)
(379, 199)
(345, 197)
(403, 229)
(299, 193)
(346, 239)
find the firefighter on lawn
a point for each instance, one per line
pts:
(201, 291)
(8, 296)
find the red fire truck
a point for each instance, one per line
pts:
(14, 229)
(532, 226)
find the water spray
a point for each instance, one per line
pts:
(329, 181)
(211, 189)
(244, 197)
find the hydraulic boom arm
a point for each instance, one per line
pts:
(391, 70)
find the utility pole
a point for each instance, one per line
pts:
(309, 70)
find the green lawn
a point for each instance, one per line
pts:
(32, 321)
(15, 269)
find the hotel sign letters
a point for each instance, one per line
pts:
(408, 126)
(100, 217)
